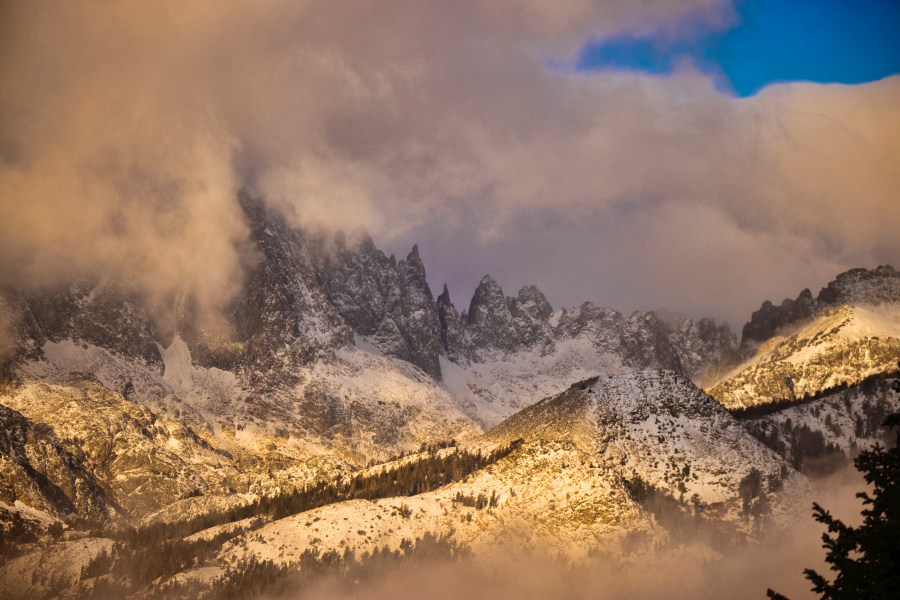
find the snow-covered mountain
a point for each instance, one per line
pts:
(588, 459)
(870, 287)
(333, 359)
(645, 457)
(849, 333)
(157, 409)
(503, 353)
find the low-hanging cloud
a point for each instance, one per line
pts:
(126, 127)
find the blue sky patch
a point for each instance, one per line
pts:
(768, 41)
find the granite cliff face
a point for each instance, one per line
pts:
(388, 303)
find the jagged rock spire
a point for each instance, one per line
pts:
(454, 342)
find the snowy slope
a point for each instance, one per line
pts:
(52, 572)
(569, 489)
(823, 435)
(497, 388)
(658, 426)
(842, 346)
(154, 437)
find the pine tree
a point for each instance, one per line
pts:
(866, 559)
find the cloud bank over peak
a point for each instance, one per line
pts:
(125, 129)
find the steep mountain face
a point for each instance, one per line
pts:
(855, 287)
(37, 472)
(841, 346)
(281, 320)
(388, 303)
(141, 461)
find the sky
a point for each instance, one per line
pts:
(765, 42)
(696, 155)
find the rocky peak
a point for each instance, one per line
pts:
(489, 320)
(356, 278)
(488, 297)
(532, 302)
(416, 316)
(412, 271)
(531, 313)
(414, 261)
(282, 305)
(444, 298)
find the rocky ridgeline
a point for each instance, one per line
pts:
(392, 305)
(806, 347)
(841, 347)
(856, 286)
(304, 296)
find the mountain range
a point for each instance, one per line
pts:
(334, 404)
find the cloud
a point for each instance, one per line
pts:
(109, 169)
(126, 127)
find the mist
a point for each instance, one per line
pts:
(126, 129)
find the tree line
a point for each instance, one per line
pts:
(143, 555)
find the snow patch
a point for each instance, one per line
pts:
(178, 371)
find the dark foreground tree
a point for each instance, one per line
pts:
(866, 559)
